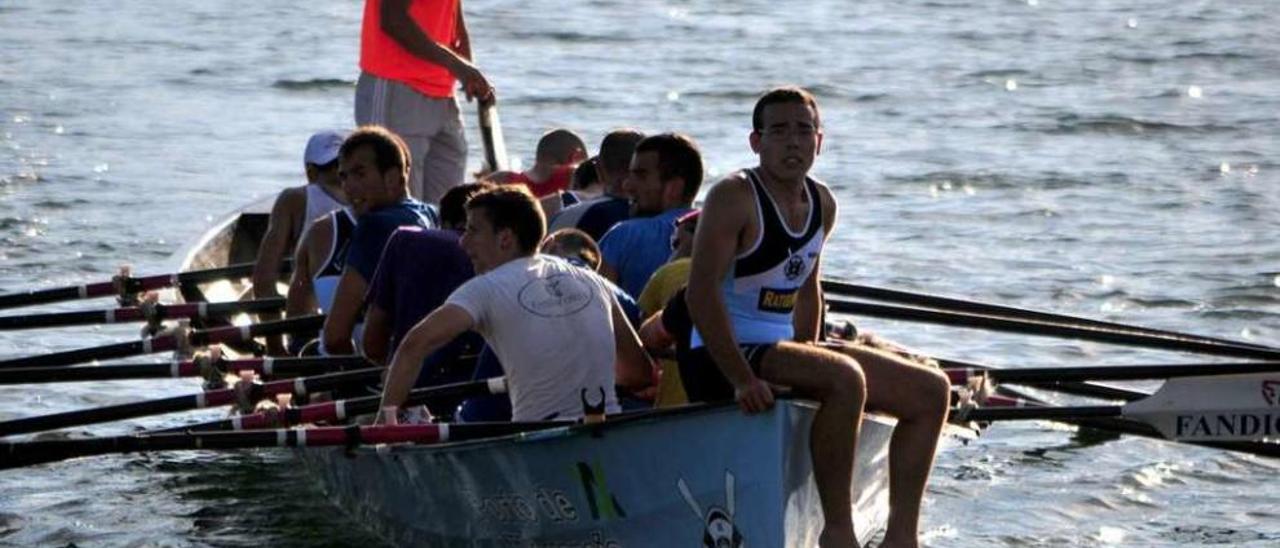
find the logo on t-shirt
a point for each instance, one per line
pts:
(782, 301)
(555, 296)
(794, 267)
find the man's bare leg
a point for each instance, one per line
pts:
(918, 396)
(836, 381)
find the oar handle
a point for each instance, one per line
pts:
(339, 410)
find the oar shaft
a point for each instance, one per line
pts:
(163, 343)
(26, 453)
(104, 352)
(137, 314)
(212, 398)
(267, 367)
(1010, 312)
(1043, 413)
(339, 410)
(128, 285)
(1035, 375)
(1163, 342)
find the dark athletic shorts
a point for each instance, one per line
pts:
(703, 380)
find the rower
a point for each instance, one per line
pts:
(596, 217)
(557, 330)
(666, 171)
(296, 208)
(317, 267)
(559, 152)
(754, 297)
(375, 175)
(417, 272)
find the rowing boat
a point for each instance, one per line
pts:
(698, 474)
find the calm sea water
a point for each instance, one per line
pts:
(1114, 159)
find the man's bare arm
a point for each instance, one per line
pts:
(807, 320)
(634, 368)
(724, 218)
(377, 334)
(400, 26)
(284, 223)
(654, 336)
(348, 302)
(433, 332)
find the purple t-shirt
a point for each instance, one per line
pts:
(419, 269)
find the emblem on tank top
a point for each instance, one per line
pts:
(794, 267)
(555, 296)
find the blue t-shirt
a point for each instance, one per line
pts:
(595, 217)
(374, 228)
(637, 247)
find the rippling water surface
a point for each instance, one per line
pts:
(1115, 159)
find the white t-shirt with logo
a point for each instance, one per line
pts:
(551, 325)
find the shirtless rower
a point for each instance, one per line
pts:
(754, 297)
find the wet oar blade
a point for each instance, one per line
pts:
(1225, 408)
(1219, 408)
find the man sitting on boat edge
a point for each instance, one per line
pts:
(754, 297)
(374, 166)
(561, 336)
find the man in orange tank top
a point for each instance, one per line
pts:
(412, 55)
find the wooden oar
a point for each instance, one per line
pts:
(339, 410)
(267, 367)
(26, 453)
(1229, 408)
(165, 343)
(156, 312)
(491, 138)
(1037, 375)
(1031, 327)
(847, 289)
(214, 398)
(127, 285)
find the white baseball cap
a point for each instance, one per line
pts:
(322, 148)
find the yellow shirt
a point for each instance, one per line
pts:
(663, 285)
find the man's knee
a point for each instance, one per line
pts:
(847, 378)
(935, 391)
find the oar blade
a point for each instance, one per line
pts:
(1212, 409)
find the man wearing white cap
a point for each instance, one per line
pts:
(296, 208)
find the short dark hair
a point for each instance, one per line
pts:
(678, 156)
(780, 95)
(616, 149)
(389, 150)
(558, 145)
(577, 244)
(585, 174)
(515, 208)
(453, 205)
